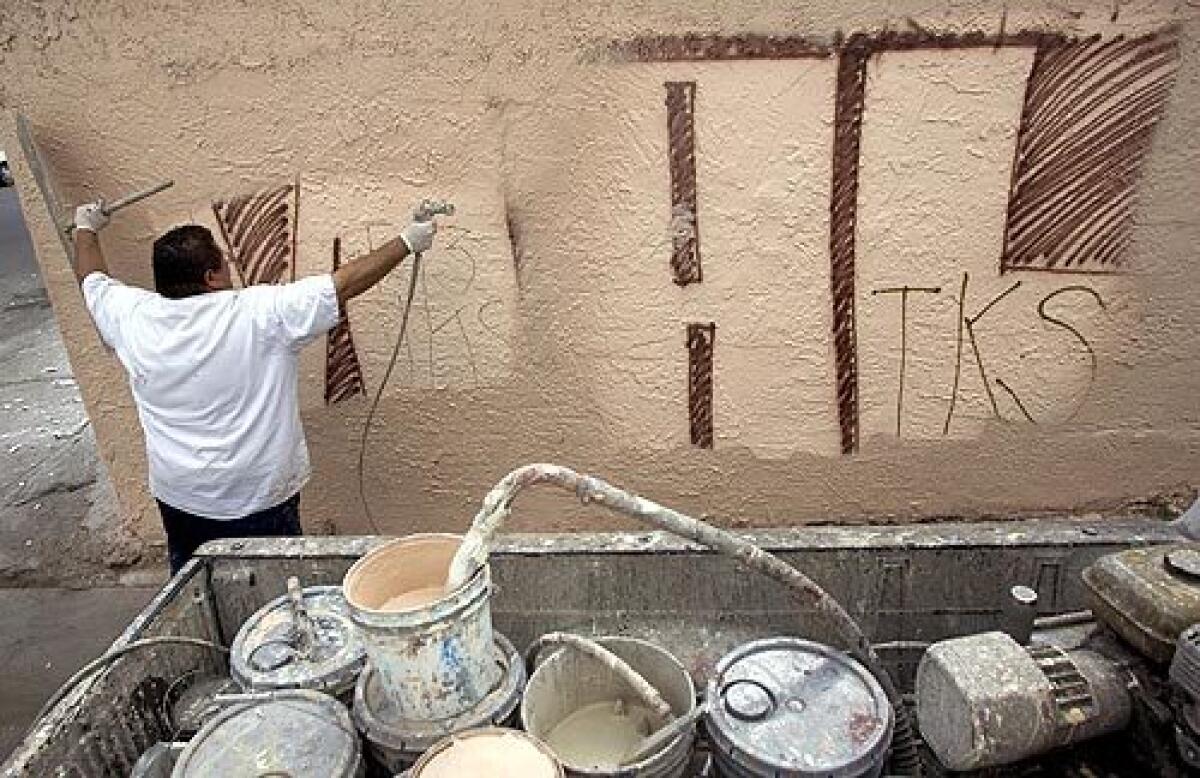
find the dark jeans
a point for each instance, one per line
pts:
(186, 532)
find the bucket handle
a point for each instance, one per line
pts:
(644, 690)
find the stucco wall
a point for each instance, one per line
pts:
(548, 327)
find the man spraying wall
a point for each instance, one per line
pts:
(213, 371)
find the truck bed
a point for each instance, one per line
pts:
(907, 585)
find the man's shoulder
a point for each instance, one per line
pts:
(98, 285)
(310, 289)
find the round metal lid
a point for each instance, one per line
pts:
(794, 707)
(268, 654)
(376, 719)
(298, 733)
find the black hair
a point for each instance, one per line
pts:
(181, 258)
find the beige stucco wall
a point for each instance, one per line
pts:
(575, 353)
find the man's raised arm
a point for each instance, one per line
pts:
(357, 276)
(89, 258)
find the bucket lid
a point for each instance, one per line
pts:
(264, 654)
(299, 733)
(786, 704)
(376, 718)
(494, 752)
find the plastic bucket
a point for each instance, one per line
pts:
(395, 744)
(493, 752)
(433, 661)
(568, 681)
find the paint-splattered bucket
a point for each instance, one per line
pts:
(303, 642)
(297, 733)
(569, 680)
(788, 706)
(434, 661)
(494, 752)
(396, 743)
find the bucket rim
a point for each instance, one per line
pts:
(365, 559)
(650, 761)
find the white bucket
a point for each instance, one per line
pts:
(492, 752)
(435, 660)
(569, 680)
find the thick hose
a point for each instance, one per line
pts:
(473, 553)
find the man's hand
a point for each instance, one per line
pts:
(91, 217)
(418, 236)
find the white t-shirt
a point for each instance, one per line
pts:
(214, 377)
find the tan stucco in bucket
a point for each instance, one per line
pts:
(434, 660)
(502, 753)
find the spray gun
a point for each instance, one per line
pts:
(429, 208)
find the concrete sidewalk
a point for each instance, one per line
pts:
(48, 634)
(59, 521)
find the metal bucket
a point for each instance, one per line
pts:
(569, 680)
(499, 753)
(434, 661)
(791, 708)
(396, 743)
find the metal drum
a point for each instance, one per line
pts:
(297, 733)
(791, 708)
(396, 743)
(302, 640)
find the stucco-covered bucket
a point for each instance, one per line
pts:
(569, 681)
(492, 752)
(435, 659)
(395, 744)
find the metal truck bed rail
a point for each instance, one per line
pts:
(906, 584)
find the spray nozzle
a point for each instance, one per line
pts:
(429, 208)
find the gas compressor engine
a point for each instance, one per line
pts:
(990, 700)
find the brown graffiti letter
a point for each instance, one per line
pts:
(1074, 332)
(904, 292)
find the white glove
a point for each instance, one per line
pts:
(418, 236)
(91, 217)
